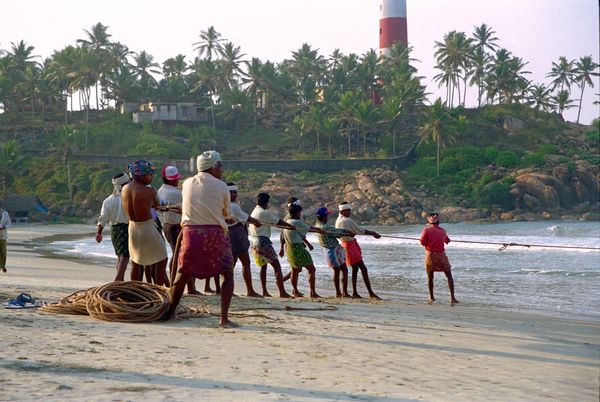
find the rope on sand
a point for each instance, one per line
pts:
(132, 301)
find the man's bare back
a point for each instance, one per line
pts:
(138, 199)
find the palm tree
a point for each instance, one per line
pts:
(10, 163)
(144, 66)
(562, 72)
(540, 97)
(585, 69)
(452, 55)
(98, 39)
(231, 63)
(484, 39)
(438, 126)
(562, 101)
(480, 65)
(209, 44)
(306, 68)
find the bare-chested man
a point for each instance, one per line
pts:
(146, 245)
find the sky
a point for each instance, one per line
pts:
(538, 31)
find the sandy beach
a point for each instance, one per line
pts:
(401, 349)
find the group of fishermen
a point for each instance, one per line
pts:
(208, 232)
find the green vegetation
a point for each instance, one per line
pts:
(308, 106)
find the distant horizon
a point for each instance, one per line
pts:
(277, 30)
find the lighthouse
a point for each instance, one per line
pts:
(392, 24)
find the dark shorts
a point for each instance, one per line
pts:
(120, 239)
(171, 233)
(238, 236)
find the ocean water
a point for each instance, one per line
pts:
(551, 281)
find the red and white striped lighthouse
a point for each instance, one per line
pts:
(392, 24)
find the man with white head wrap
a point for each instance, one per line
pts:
(112, 213)
(204, 249)
(353, 252)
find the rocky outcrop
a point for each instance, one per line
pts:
(569, 188)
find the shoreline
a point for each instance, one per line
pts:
(366, 350)
(30, 237)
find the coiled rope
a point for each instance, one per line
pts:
(131, 301)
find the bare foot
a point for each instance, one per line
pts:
(285, 295)
(338, 295)
(209, 291)
(454, 302)
(228, 324)
(253, 294)
(356, 296)
(373, 296)
(266, 294)
(194, 292)
(347, 295)
(431, 300)
(3, 269)
(296, 293)
(315, 295)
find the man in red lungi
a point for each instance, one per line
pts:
(433, 239)
(354, 257)
(205, 250)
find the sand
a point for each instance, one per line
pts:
(401, 349)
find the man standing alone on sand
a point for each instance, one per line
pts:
(146, 244)
(353, 251)
(433, 239)
(4, 225)
(112, 213)
(205, 250)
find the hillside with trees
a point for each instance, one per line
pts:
(58, 112)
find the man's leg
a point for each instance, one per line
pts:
(175, 293)
(312, 279)
(355, 294)
(336, 282)
(137, 272)
(344, 271)
(226, 293)
(279, 279)
(247, 274)
(3, 255)
(161, 273)
(453, 300)
(122, 262)
(207, 288)
(217, 284)
(365, 275)
(430, 286)
(191, 287)
(294, 279)
(263, 280)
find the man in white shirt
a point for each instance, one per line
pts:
(5, 223)
(238, 236)
(262, 247)
(353, 252)
(205, 250)
(112, 214)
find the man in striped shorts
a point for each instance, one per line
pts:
(334, 253)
